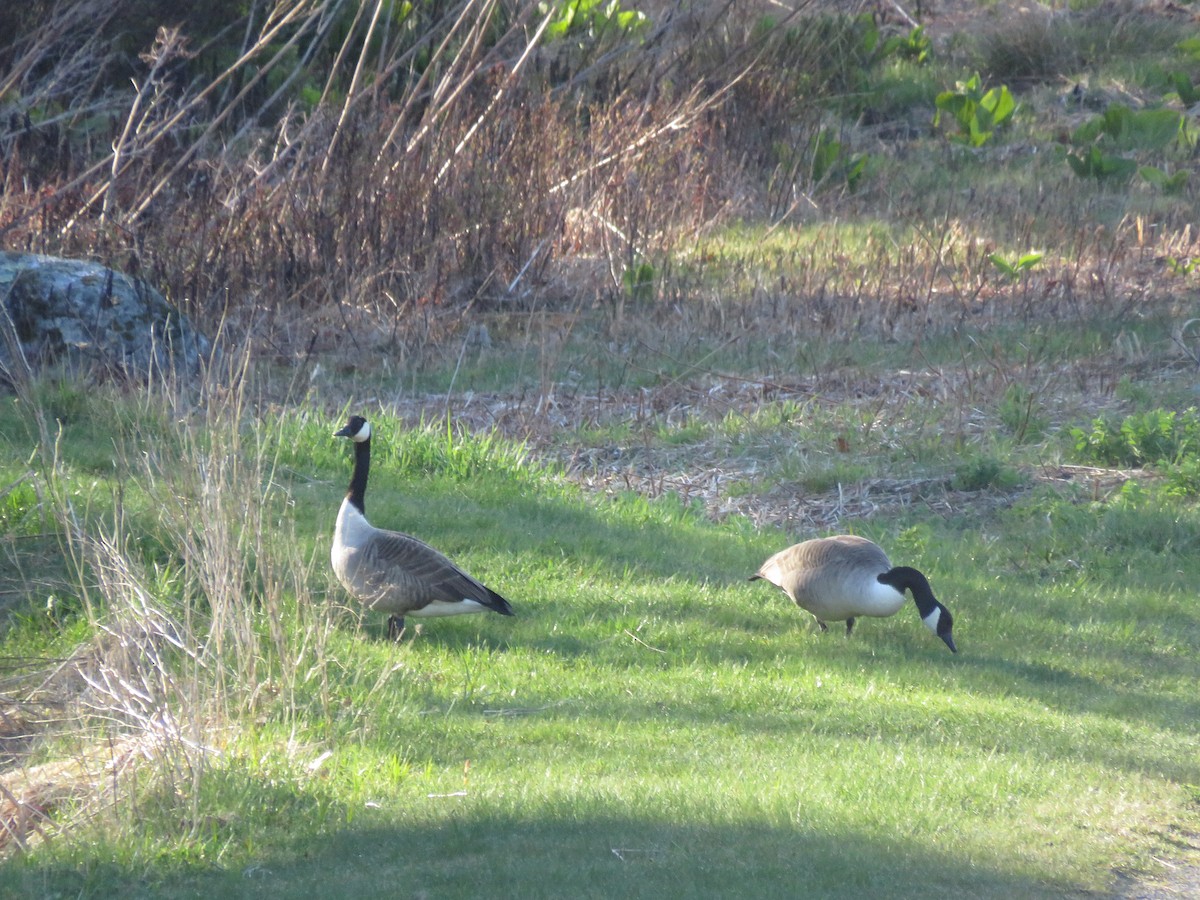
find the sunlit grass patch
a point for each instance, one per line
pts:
(620, 341)
(646, 703)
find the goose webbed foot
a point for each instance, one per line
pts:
(395, 628)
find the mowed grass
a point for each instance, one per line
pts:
(650, 723)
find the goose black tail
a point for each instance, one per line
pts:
(496, 603)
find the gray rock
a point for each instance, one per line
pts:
(83, 316)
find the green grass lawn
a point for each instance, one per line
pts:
(558, 304)
(649, 724)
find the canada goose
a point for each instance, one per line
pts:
(845, 576)
(392, 572)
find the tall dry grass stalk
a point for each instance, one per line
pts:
(436, 166)
(369, 177)
(344, 176)
(187, 642)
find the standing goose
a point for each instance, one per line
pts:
(845, 576)
(392, 572)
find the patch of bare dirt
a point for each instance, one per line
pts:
(575, 431)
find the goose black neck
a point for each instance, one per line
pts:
(358, 479)
(904, 578)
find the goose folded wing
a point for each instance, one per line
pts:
(421, 572)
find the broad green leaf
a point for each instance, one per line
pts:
(1168, 184)
(1003, 265)
(999, 102)
(1101, 165)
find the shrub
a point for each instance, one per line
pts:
(1028, 48)
(1156, 436)
(978, 113)
(985, 472)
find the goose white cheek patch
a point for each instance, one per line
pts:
(931, 621)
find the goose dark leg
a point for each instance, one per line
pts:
(824, 627)
(849, 625)
(395, 628)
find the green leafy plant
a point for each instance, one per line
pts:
(1125, 128)
(983, 473)
(1183, 479)
(1101, 166)
(1181, 267)
(1020, 413)
(873, 48)
(639, 281)
(1183, 88)
(591, 17)
(1156, 436)
(1167, 184)
(1190, 48)
(914, 46)
(830, 161)
(977, 113)
(1013, 269)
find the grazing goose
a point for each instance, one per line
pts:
(845, 576)
(392, 572)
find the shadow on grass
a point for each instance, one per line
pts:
(487, 855)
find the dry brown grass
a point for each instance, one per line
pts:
(410, 195)
(455, 171)
(177, 650)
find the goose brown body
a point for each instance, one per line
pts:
(392, 572)
(845, 576)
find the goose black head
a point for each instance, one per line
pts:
(940, 622)
(356, 428)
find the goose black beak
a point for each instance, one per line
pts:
(342, 432)
(949, 642)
